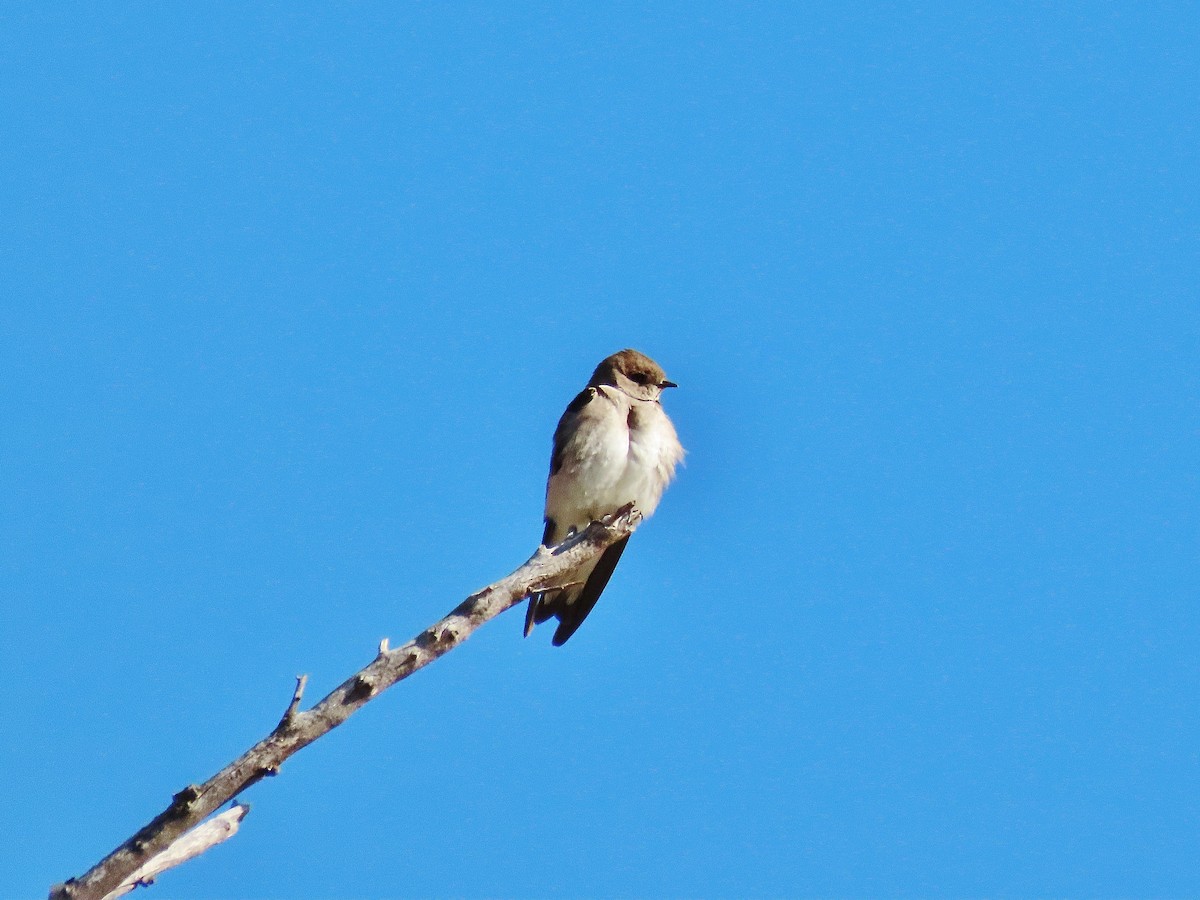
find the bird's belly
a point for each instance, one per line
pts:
(651, 461)
(598, 475)
(610, 470)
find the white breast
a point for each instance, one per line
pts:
(614, 458)
(654, 451)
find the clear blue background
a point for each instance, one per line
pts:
(294, 295)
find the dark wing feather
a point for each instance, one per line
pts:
(571, 615)
(548, 604)
(566, 426)
(541, 607)
(541, 604)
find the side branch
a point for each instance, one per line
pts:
(547, 568)
(190, 844)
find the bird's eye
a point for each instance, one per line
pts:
(640, 377)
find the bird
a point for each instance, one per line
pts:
(613, 445)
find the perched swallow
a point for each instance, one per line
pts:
(614, 445)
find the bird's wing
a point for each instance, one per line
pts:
(568, 425)
(545, 604)
(572, 614)
(556, 529)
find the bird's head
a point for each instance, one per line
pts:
(634, 374)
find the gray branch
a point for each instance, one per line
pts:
(299, 728)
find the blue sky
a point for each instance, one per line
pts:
(295, 295)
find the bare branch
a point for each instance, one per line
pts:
(547, 568)
(190, 844)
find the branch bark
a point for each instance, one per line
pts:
(547, 568)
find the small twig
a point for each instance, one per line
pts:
(289, 714)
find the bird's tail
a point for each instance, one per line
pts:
(572, 604)
(542, 606)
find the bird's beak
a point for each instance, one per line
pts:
(667, 384)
